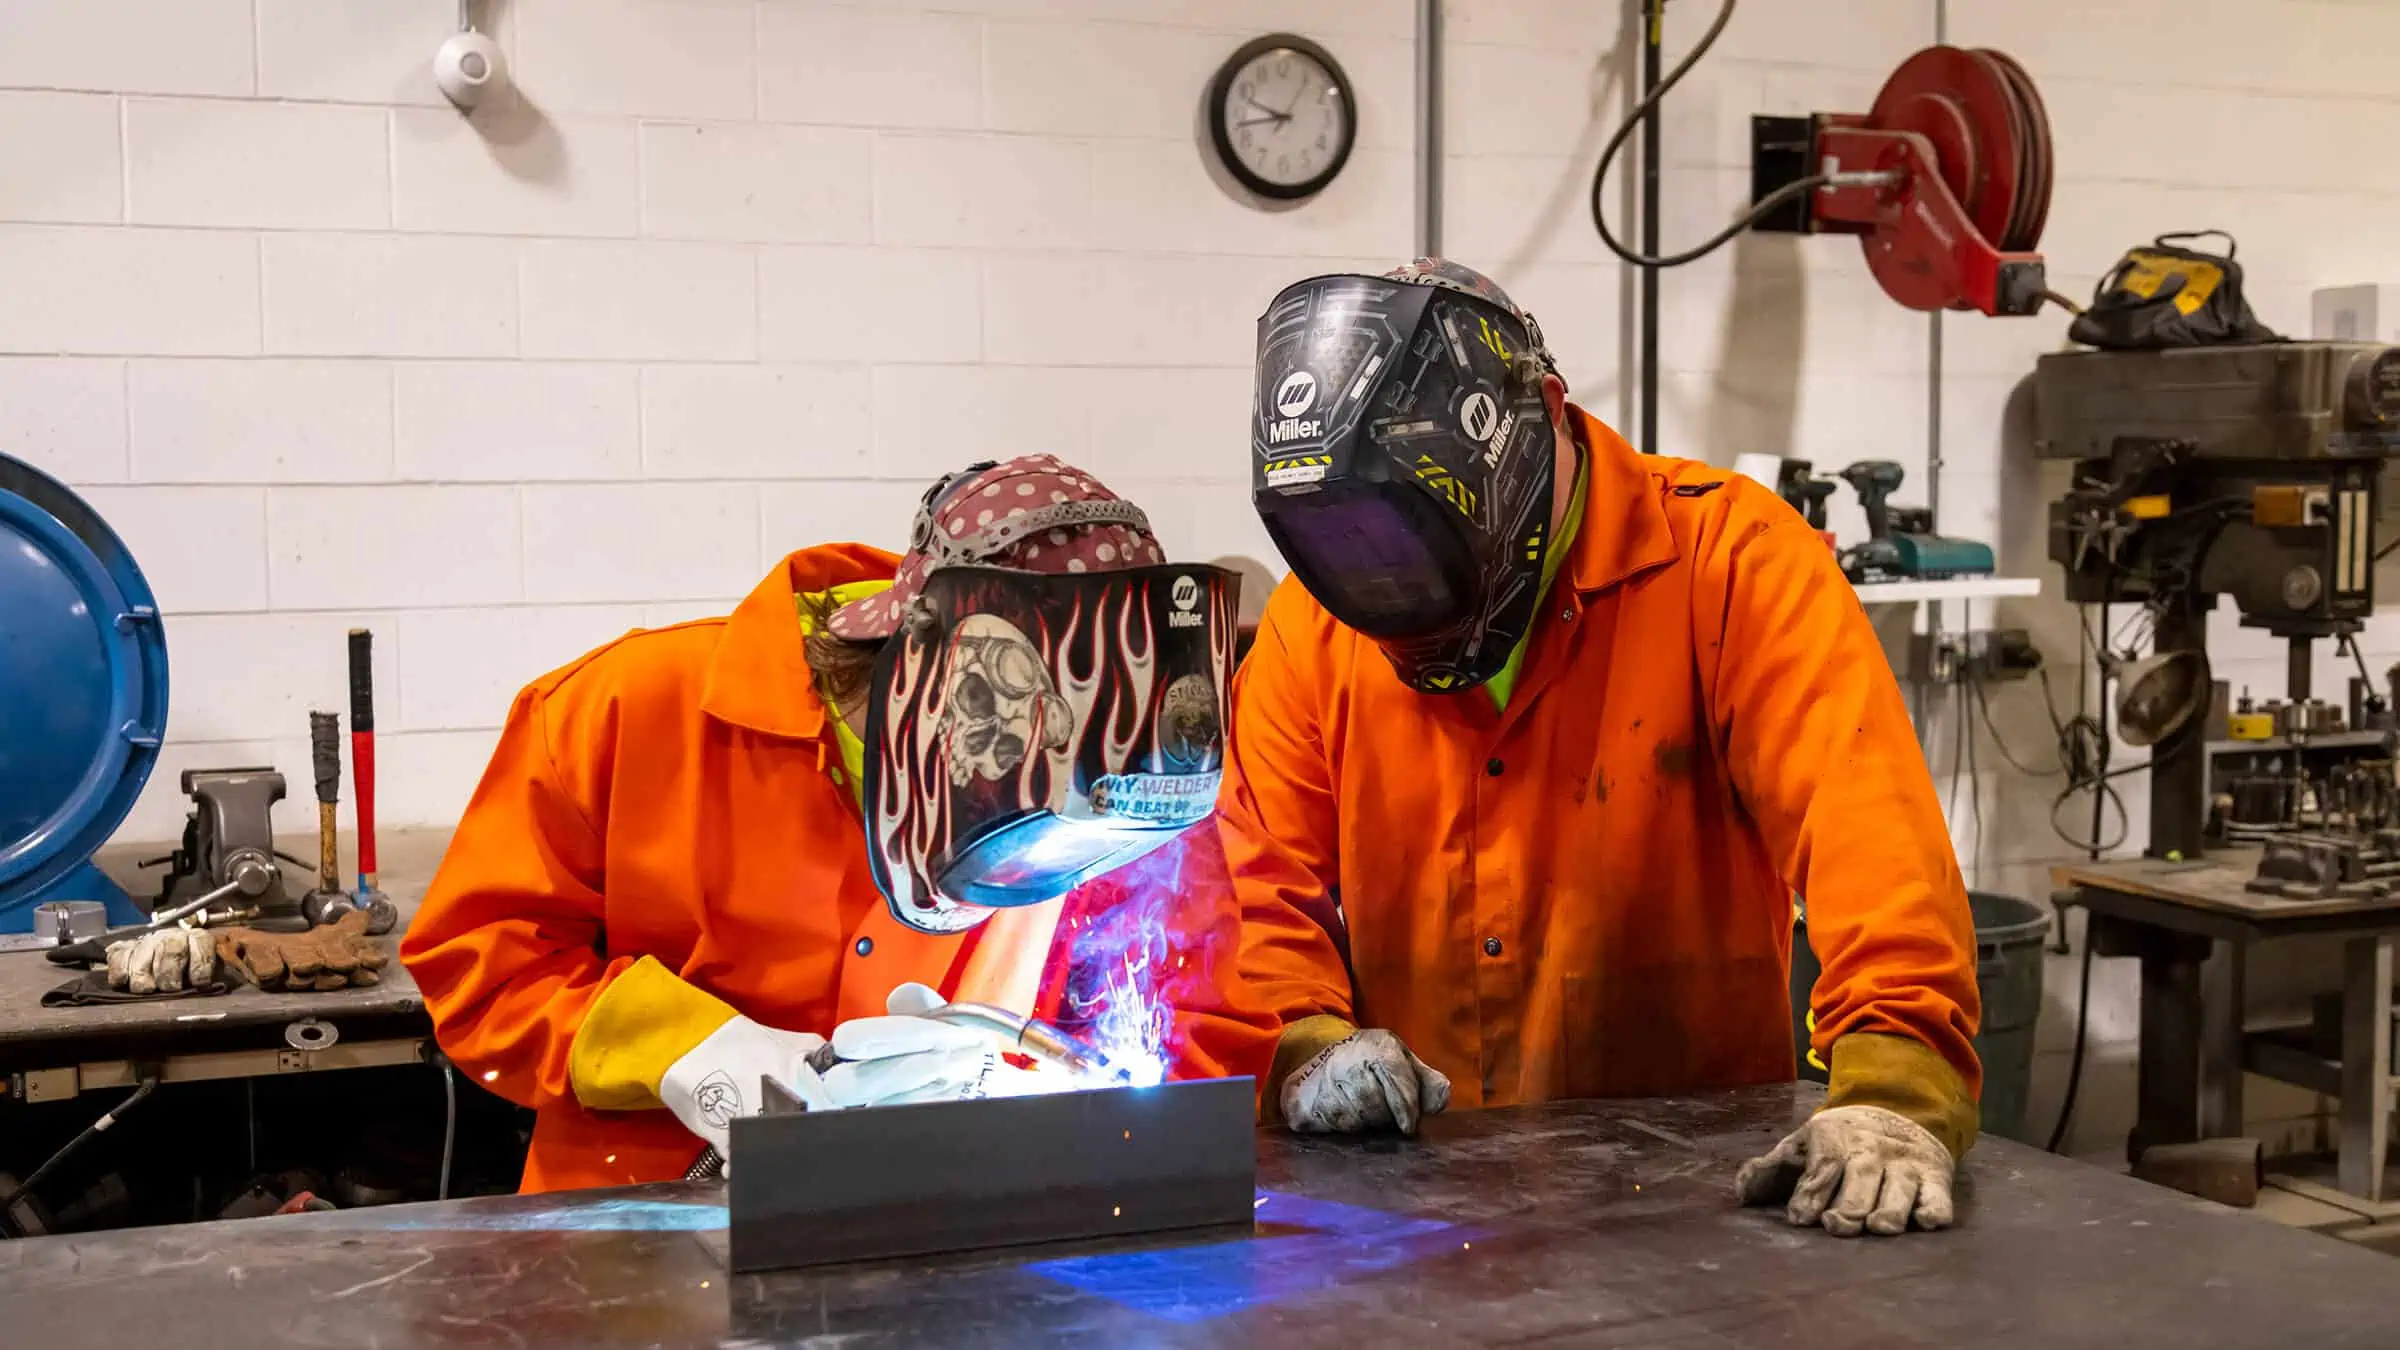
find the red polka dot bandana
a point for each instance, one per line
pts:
(1034, 514)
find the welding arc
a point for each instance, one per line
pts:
(1648, 108)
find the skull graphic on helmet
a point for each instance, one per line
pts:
(1001, 703)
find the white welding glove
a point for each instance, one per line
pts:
(1366, 1081)
(163, 962)
(718, 1080)
(1855, 1167)
(908, 1057)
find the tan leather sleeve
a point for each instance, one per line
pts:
(1302, 1041)
(1906, 1077)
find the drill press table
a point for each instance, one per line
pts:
(1591, 1224)
(2192, 923)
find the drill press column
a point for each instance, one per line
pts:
(2179, 763)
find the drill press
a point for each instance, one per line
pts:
(2248, 470)
(1900, 541)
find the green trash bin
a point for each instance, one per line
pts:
(2009, 933)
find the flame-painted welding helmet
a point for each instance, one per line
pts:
(1402, 462)
(1027, 732)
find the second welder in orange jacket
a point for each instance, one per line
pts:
(1539, 740)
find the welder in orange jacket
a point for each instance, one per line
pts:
(1534, 748)
(763, 846)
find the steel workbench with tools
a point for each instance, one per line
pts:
(59, 1053)
(1594, 1224)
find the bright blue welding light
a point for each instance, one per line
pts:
(606, 1216)
(1195, 1284)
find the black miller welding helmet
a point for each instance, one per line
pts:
(1402, 462)
(1028, 732)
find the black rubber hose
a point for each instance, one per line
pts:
(2083, 1022)
(1647, 110)
(66, 1150)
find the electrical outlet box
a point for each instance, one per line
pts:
(1983, 657)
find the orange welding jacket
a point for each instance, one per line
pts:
(669, 795)
(1590, 893)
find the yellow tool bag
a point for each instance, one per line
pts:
(2166, 295)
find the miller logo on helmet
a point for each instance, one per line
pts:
(1294, 396)
(1478, 415)
(1186, 594)
(1296, 393)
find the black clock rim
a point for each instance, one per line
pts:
(1220, 89)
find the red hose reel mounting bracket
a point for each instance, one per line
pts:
(1946, 181)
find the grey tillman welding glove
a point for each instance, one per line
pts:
(1880, 1155)
(1853, 1168)
(1358, 1081)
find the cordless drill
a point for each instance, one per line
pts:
(1879, 558)
(1900, 539)
(1803, 491)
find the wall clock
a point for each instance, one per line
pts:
(1281, 116)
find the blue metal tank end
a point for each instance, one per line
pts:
(83, 695)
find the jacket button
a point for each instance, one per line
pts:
(1567, 614)
(1491, 946)
(865, 945)
(1494, 767)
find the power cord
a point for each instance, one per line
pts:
(449, 1124)
(108, 1118)
(2082, 745)
(2083, 1025)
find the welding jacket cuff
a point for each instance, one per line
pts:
(1906, 1078)
(1302, 1041)
(645, 1020)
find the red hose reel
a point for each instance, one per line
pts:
(1946, 182)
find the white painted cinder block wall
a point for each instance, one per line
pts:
(729, 279)
(737, 276)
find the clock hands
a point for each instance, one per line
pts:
(1271, 115)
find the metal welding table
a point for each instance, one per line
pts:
(1591, 1224)
(48, 1054)
(2194, 1047)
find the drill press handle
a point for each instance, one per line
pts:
(1875, 480)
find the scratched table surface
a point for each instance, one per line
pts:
(1588, 1224)
(2217, 882)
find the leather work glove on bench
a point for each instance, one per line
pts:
(333, 956)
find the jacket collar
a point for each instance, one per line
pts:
(759, 677)
(1625, 528)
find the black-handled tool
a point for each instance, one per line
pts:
(328, 901)
(1797, 483)
(1875, 480)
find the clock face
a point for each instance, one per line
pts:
(1284, 120)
